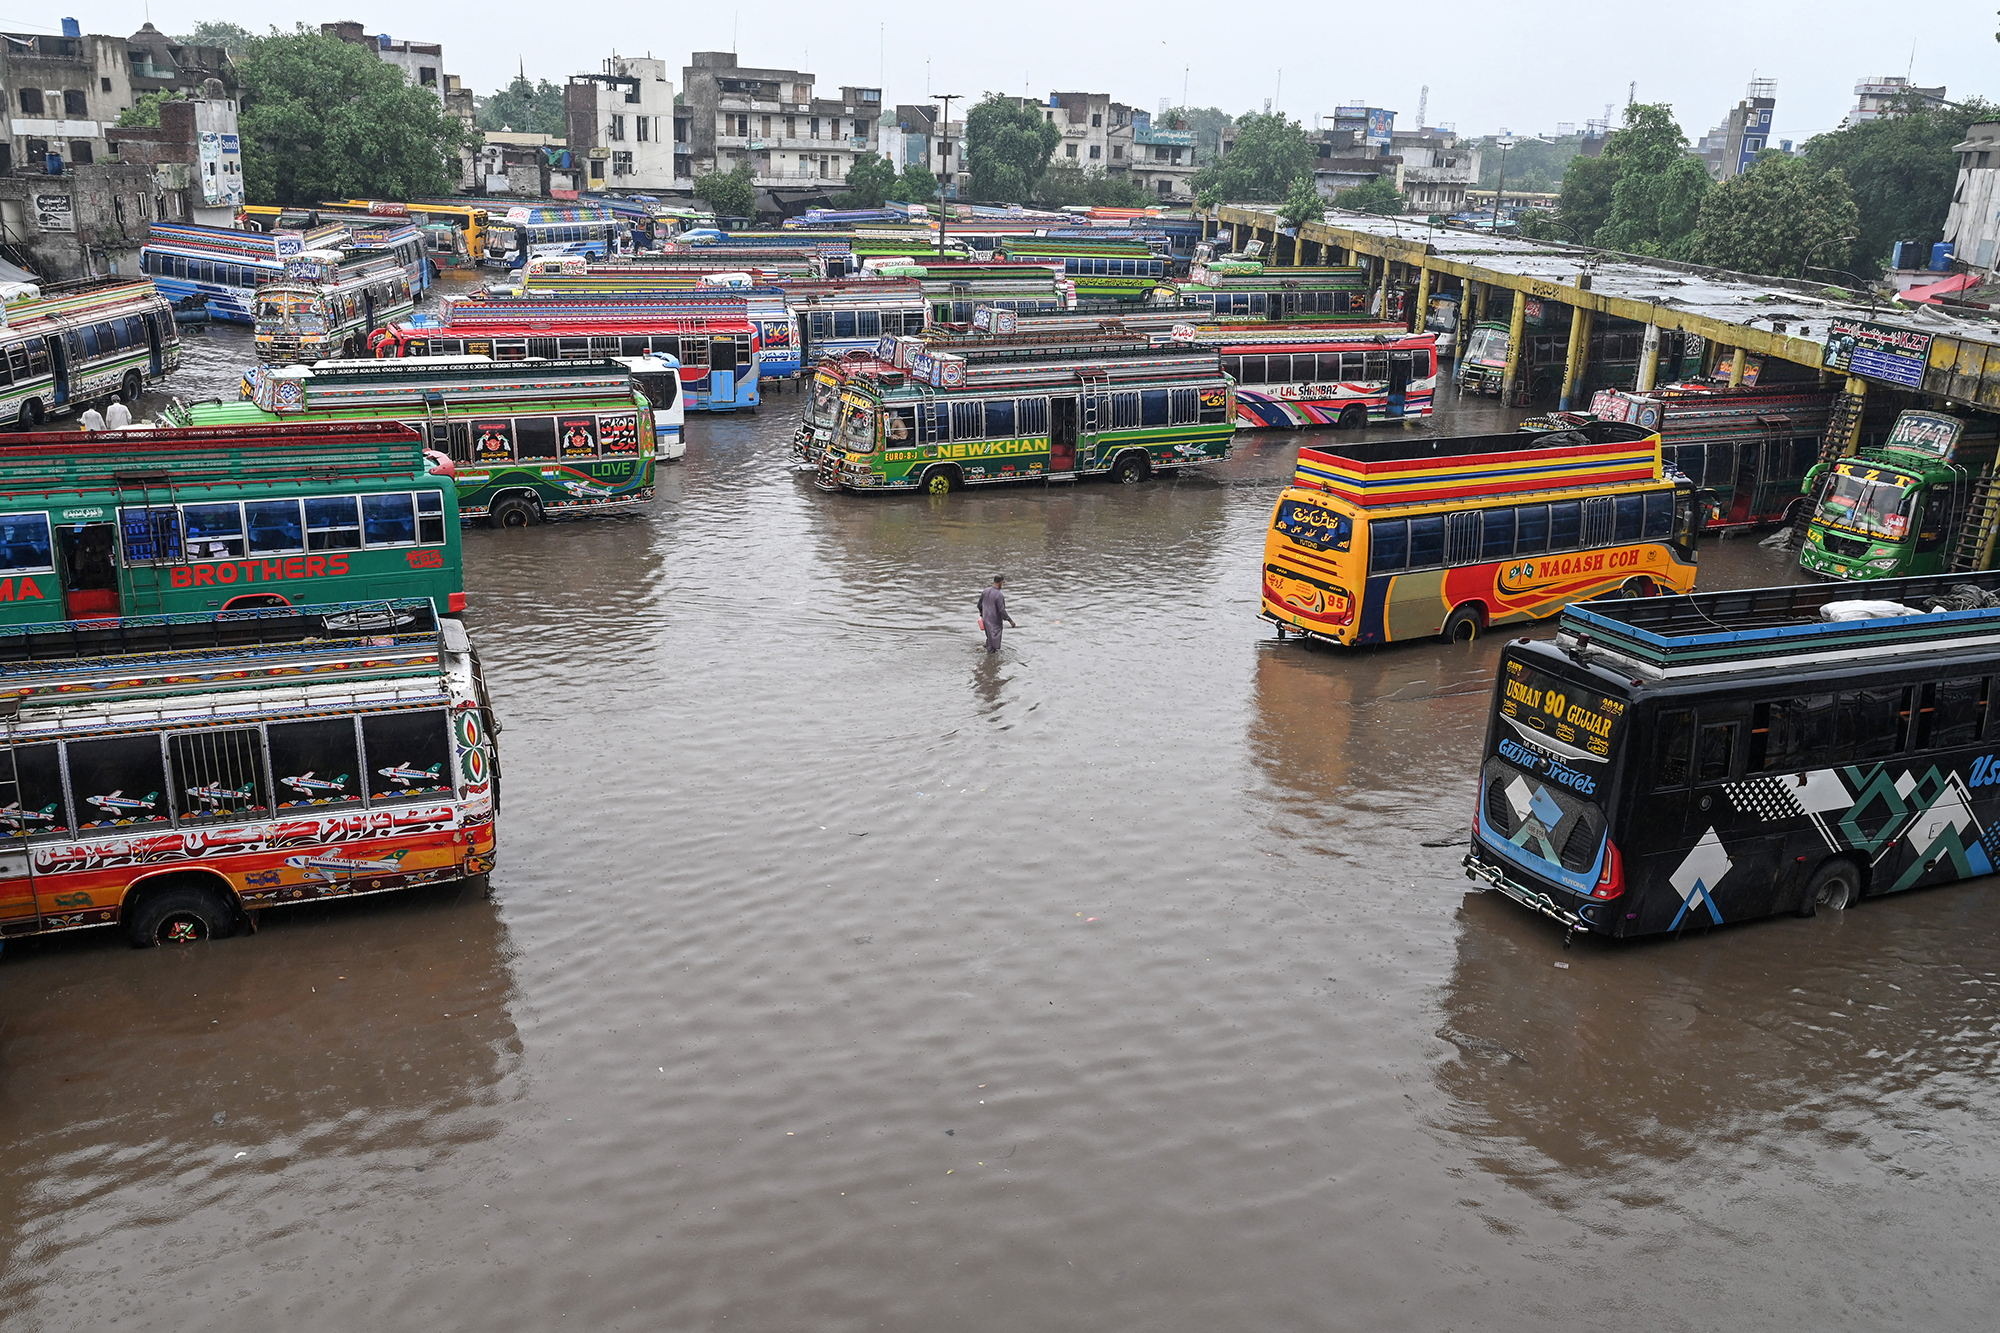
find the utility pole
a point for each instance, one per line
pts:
(944, 140)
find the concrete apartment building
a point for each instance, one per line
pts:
(925, 144)
(62, 93)
(1162, 158)
(1097, 132)
(1880, 98)
(621, 125)
(1730, 148)
(773, 121)
(1972, 224)
(1438, 169)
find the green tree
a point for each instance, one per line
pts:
(870, 181)
(1007, 148)
(918, 184)
(1902, 171)
(326, 119)
(1377, 196)
(1065, 183)
(1585, 204)
(731, 194)
(145, 113)
(1775, 217)
(1209, 124)
(1269, 153)
(231, 37)
(1533, 166)
(1656, 198)
(525, 108)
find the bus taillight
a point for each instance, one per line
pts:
(1611, 881)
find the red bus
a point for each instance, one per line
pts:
(717, 354)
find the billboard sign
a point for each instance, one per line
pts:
(1877, 351)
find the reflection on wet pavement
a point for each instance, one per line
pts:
(839, 976)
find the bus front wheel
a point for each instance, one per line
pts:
(514, 512)
(1639, 587)
(129, 388)
(1130, 469)
(940, 481)
(31, 414)
(1834, 887)
(180, 913)
(1353, 418)
(1463, 625)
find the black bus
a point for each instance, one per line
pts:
(1689, 761)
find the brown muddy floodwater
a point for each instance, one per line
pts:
(837, 977)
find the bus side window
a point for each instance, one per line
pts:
(1792, 734)
(1953, 712)
(1673, 740)
(316, 764)
(7, 368)
(535, 437)
(1426, 541)
(1565, 523)
(1388, 545)
(1659, 514)
(1717, 752)
(1872, 723)
(1497, 543)
(1937, 515)
(118, 783)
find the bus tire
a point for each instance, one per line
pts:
(1130, 469)
(130, 387)
(1639, 587)
(1352, 418)
(179, 909)
(1834, 887)
(941, 481)
(513, 511)
(1464, 624)
(31, 414)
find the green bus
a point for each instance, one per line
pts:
(157, 522)
(1904, 506)
(936, 421)
(1104, 270)
(527, 439)
(1247, 288)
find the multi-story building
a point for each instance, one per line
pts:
(1097, 132)
(1438, 169)
(926, 144)
(1878, 98)
(1162, 157)
(1729, 149)
(195, 155)
(621, 124)
(63, 93)
(771, 120)
(160, 64)
(1972, 224)
(536, 165)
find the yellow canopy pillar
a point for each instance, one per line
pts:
(1417, 316)
(1516, 335)
(1579, 354)
(1384, 295)
(1736, 360)
(1649, 360)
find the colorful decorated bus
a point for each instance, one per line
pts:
(1902, 507)
(716, 354)
(1218, 289)
(144, 522)
(937, 421)
(172, 773)
(1694, 761)
(79, 342)
(527, 439)
(1102, 269)
(1297, 375)
(522, 232)
(327, 307)
(222, 267)
(1413, 538)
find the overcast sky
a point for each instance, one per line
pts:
(1525, 67)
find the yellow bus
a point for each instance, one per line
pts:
(1412, 538)
(454, 234)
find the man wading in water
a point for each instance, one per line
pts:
(993, 610)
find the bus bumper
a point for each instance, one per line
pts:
(1477, 866)
(1293, 627)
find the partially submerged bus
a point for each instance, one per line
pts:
(527, 440)
(573, 287)
(221, 267)
(327, 307)
(547, 230)
(1409, 539)
(143, 522)
(1340, 376)
(939, 421)
(172, 773)
(80, 342)
(1692, 761)
(716, 354)
(1898, 508)
(1336, 293)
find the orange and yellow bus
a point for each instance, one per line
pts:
(1411, 538)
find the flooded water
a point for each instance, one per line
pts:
(838, 976)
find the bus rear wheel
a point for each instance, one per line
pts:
(1130, 469)
(31, 414)
(1463, 625)
(514, 511)
(1352, 418)
(129, 388)
(184, 913)
(1639, 587)
(1834, 887)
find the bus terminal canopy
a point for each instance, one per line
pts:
(1775, 317)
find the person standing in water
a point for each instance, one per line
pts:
(993, 610)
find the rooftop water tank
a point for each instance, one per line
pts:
(71, 28)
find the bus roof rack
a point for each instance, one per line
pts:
(1713, 633)
(36, 649)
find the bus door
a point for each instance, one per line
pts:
(17, 885)
(89, 573)
(1062, 433)
(1749, 469)
(722, 370)
(153, 344)
(59, 366)
(1399, 383)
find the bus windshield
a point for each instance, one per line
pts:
(1557, 730)
(1873, 502)
(857, 426)
(291, 310)
(1487, 345)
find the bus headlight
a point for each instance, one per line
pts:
(1890, 563)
